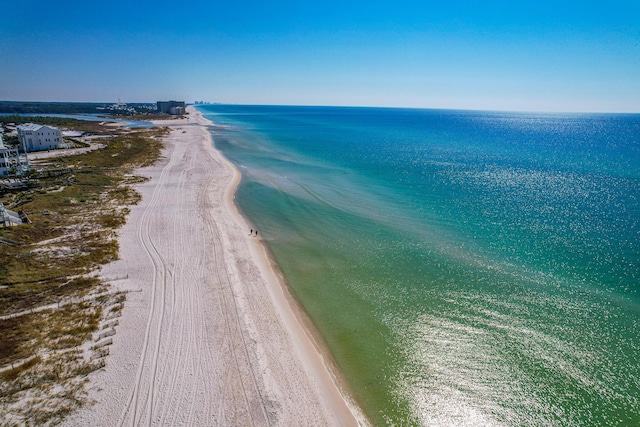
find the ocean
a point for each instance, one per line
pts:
(464, 268)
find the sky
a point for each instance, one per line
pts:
(491, 55)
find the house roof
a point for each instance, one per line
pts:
(30, 126)
(34, 127)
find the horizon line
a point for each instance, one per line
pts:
(488, 110)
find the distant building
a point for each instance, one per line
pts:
(39, 137)
(11, 161)
(176, 108)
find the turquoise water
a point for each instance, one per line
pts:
(464, 268)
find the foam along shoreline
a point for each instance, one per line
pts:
(214, 337)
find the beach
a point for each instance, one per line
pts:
(209, 334)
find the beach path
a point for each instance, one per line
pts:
(211, 338)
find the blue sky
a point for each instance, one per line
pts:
(499, 55)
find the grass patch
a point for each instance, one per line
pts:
(74, 218)
(13, 373)
(48, 385)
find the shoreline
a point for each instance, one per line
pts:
(213, 304)
(309, 340)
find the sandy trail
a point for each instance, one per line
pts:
(212, 338)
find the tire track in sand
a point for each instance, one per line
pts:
(154, 320)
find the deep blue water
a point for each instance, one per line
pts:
(464, 268)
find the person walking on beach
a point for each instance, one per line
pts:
(251, 232)
(256, 233)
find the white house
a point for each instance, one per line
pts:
(11, 161)
(39, 137)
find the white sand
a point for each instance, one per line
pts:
(213, 337)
